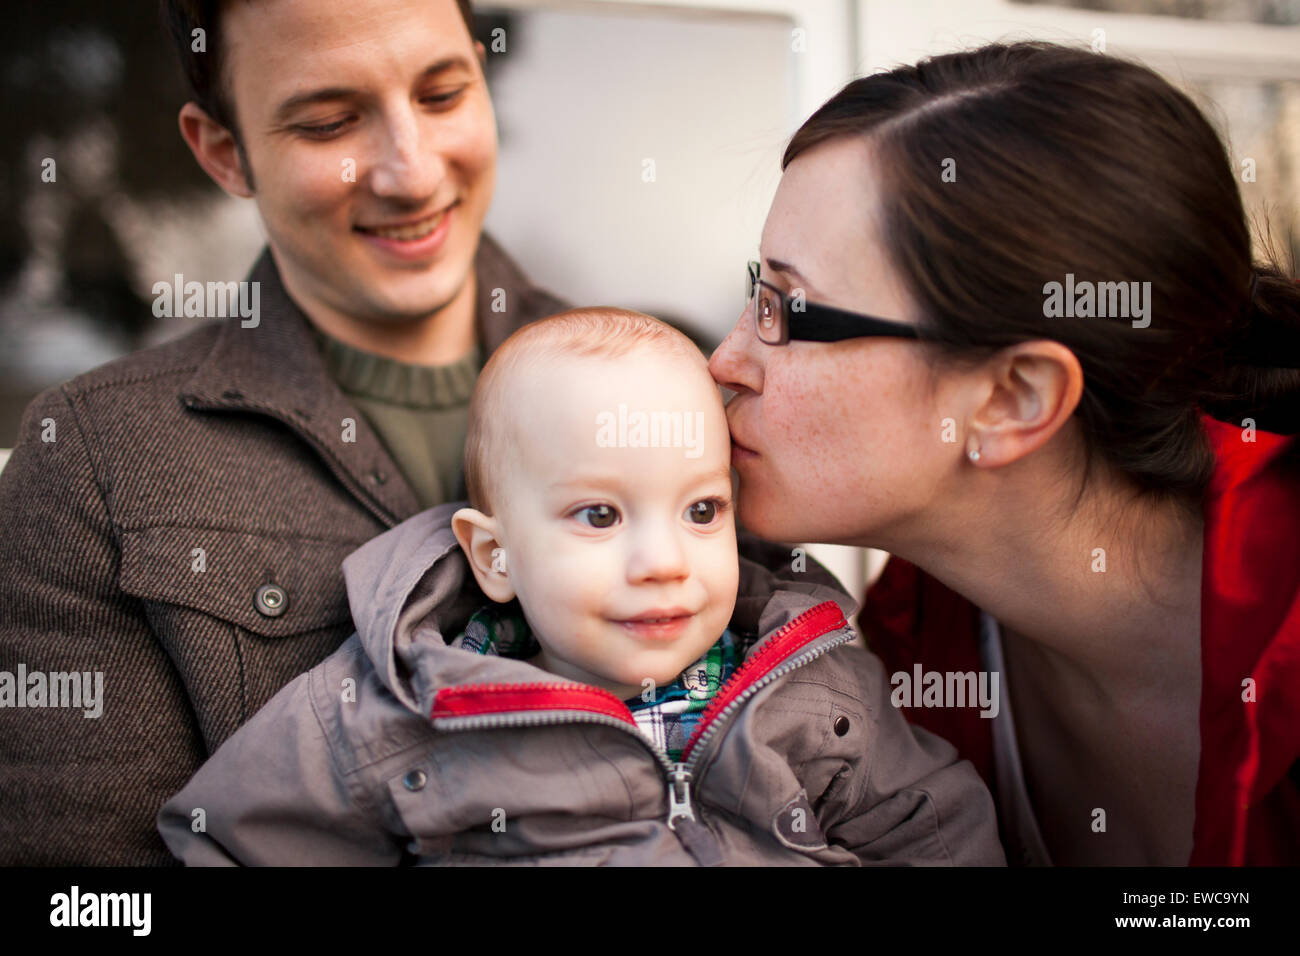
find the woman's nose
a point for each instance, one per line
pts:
(735, 363)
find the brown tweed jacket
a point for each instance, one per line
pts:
(182, 535)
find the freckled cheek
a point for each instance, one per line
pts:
(842, 426)
(805, 414)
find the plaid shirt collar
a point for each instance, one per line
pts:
(667, 717)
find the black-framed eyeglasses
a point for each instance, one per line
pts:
(779, 318)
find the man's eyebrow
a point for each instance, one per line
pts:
(324, 94)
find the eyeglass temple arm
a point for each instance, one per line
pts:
(825, 323)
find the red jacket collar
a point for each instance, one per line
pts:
(1247, 809)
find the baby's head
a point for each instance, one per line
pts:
(598, 467)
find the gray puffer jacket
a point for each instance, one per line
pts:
(398, 748)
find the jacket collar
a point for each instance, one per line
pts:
(410, 590)
(1250, 629)
(276, 369)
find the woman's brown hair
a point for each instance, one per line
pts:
(1011, 166)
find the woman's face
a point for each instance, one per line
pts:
(839, 442)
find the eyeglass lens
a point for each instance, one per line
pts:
(768, 311)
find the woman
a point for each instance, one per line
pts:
(1071, 431)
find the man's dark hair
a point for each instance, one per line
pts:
(203, 69)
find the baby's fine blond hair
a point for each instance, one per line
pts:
(598, 332)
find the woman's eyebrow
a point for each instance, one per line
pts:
(790, 271)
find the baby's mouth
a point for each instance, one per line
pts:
(658, 624)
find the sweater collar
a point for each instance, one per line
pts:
(393, 382)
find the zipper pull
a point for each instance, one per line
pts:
(698, 839)
(679, 796)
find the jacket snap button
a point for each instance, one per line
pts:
(415, 780)
(841, 726)
(271, 600)
(378, 476)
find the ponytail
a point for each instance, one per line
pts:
(1262, 366)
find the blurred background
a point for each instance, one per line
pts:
(585, 92)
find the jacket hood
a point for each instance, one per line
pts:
(411, 591)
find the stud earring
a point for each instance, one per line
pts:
(499, 560)
(974, 453)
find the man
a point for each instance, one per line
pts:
(172, 524)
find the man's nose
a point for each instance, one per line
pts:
(657, 555)
(735, 364)
(405, 166)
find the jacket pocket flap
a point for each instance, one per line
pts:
(226, 574)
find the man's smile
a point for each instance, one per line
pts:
(416, 241)
(408, 230)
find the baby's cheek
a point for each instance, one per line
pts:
(573, 568)
(724, 577)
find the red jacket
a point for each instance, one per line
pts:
(1248, 785)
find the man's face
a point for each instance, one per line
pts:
(623, 558)
(372, 145)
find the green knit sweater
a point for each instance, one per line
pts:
(420, 412)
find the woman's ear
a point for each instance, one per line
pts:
(1032, 390)
(480, 538)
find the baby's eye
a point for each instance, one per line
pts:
(599, 516)
(704, 511)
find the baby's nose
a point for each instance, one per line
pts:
(657, 555)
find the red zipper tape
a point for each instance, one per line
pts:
(468, 700)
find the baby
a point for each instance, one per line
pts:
(579, 667)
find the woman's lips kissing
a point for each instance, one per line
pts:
(740, 451)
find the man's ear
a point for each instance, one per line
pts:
(479, 535)
(215, 149)
(1032, 389)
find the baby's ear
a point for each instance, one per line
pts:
(480, 538)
